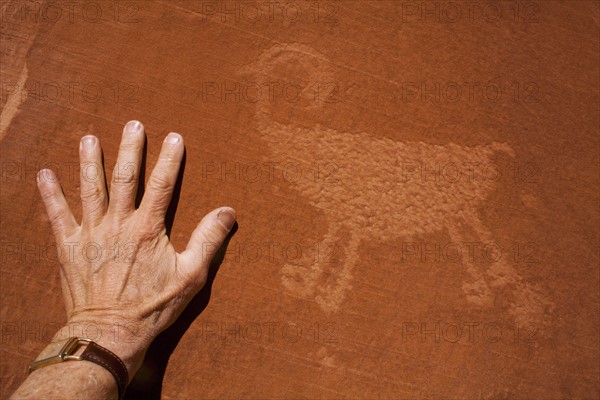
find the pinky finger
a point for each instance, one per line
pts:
(61, 218)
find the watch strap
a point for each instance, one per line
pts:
(109, 360)
(93, 352)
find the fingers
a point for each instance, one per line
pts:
(206, 240)
(93, 187)
(162, 181)
(124, 182)
(61, 218)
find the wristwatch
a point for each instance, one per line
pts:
(93, 352)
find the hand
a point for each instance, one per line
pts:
(118, 268)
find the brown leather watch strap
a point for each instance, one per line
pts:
(109, 360)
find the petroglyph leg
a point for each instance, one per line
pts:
(528, 305)
(300, 278)
(326, 274)
(333, 291)
(477, 290)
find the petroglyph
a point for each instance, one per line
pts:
(367, 199)
(14, 101)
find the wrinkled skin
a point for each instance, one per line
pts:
(118, 267)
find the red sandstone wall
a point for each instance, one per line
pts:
(416, 185)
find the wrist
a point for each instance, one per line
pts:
(123, 339)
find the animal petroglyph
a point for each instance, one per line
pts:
(367, 199)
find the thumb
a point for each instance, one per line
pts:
(206, 240)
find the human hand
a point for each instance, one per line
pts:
(118, 268)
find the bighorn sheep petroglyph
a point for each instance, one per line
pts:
(387, 205)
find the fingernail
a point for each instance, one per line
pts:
(45, 175)
(87, 142)
(133, 127)
(227, 218)
(173, 138)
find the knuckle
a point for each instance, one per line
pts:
(90, 194)
(129, 147)
(48, 196)
(124, 176)
(121, 203)
(170, 158)
(120, 206)
(92, 172)
(159, 184)
(212, 236)
(116, 228)
(56, 219)
(147, 230)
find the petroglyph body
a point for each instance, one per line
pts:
(386, 204)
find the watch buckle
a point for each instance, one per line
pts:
(69, 348)
(66, 353)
